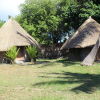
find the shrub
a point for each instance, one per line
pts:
(12, 53)
(32, 52)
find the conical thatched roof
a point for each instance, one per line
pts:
(86, 35)
(12, 34)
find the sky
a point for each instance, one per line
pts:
(9, 7)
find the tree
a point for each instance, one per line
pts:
(1, 23)
(43, 20)
(90, 9)
(78, 12)
(50, 21)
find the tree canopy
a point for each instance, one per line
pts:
(50, 21)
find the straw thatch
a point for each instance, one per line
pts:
(90, 58)
(12, 34)
(86, 35)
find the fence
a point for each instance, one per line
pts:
(51, 52)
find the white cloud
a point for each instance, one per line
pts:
(9, 7)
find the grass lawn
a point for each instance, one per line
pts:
(50, 80)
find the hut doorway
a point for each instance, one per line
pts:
(84, 52)
(78, 54)
(21, 54)
(74, 54)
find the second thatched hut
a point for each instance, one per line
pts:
(82, 42)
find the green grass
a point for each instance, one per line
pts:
(50, 80)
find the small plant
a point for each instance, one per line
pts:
(32, 52)
(12, 53)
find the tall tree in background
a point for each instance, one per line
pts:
(49, 21)
(44, 20)
(81, 11)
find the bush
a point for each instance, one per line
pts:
(12, 53)
(32, 52)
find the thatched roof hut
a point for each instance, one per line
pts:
(86, 35)
(82, 42)
(12, 34)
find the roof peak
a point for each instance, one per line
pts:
(90, 17)
(12, 34)
(88, 31)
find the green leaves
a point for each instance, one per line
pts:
(49, 21)
(32, 51)
(1, 23)
(41, 19)
(12, 53)
(88, 9)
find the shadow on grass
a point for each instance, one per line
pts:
(47, 64)
(42, 62)
(89, 82)
(67, 63)
(62, 61)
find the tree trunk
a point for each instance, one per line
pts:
(33, 60)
